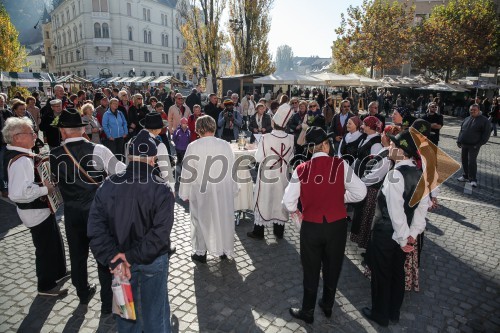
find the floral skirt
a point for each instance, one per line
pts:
(364, 216)
(411, 269)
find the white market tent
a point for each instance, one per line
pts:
(165, 79)
(337, 80)
(145, 79)
(289, 78)
(441, 86)
(26, 79)
(365, 81)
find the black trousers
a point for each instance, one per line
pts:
(75, 220)
(469, 162)
(386, 261)
(322, 247)
(50, 259)
(117, 147)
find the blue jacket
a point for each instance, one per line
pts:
(237, 122)
(114, 126)
(132, 213)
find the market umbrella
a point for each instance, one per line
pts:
(289, 78)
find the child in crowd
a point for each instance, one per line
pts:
(181, 139)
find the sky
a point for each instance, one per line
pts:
(307, 26)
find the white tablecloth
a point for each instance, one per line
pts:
(244, 199)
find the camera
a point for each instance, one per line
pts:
(230, 114)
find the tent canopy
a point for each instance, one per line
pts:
(441, 86)
(71, 78)
(166, 79)
(365, 81)
(26, 79)
(289, 78)
(337, 80)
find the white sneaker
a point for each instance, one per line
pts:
(473, 184)
(462, 179)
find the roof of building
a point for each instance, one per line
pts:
(36, 51)
(46, 16)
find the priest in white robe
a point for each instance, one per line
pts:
(207, 183)
(274, 152)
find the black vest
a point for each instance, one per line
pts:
(349, 150)
(38, 203)
(76, 189)
(411, 176)
(363, 155)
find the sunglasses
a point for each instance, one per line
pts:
(313, 106)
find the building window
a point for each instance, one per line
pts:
(130, 33)
(69, 37)
(129, 9)
(144, 14)
(152, 73)
(64, 39)
(160, 74)
(178, 62)
(166, 58)
(145, 36)
(67, 14)
(99, 5)
(105, 30)
(148, 56)
(164, 40)
(149, 15)
(74, 11)
(131, 55)
(79, 6)
(75, 33)
(178, 76)
(81, 31)
(83, 53)
(97, 30)
(47, 35)
(71, 56)
(178, 42)
(149, 37)
(184, 44)
(66, 57)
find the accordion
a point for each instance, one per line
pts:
(42, 169)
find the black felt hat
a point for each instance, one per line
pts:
(69, 118)
(422, 126)
(316, 135)
(405, 141)
(143, 145)
(152, 120)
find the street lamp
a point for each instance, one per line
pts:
(237, 26)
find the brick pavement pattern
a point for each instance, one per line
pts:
(459, 277)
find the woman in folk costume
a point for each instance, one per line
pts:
(274, 153)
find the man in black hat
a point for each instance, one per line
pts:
(323, 232)
(136, 237)
(79, 167)
(396, 226)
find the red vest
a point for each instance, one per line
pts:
(322, 189)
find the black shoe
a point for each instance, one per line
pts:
(171, 251)
(326, 309)
(367, 312)
(254, 236)
(88, 295)
(54, 292)
(199, 258)
(223, 257)
(299, 314)
(64, 277)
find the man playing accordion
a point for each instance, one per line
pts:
(30, 196)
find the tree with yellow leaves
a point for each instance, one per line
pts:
(460, 35)
(12, 54)
(201, 29)
(376, 35)
(249, 26)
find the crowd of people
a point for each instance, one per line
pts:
(326, 168)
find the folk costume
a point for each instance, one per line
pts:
(31, 201)
(79, 167)
(211, 199)
(324, 184)
(394, 222)
(274, 152)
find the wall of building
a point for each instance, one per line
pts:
(102, 45)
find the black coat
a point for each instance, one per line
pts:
(266, 123)
(50, 132)
(212, 111)
(132, 213)
(334, 127)
(135, 115)
(193, 99)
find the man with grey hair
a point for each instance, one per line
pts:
(373, 111)
(79, 167)
(58, 94)
(475, 131)
(30, 199)
(51, 134)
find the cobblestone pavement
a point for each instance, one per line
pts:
(459, 277)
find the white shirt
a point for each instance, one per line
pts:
(103, 158)
(379, 171)
(393, 188)
(22, 188)
(355, 190)
(349, 137)
(375, 148)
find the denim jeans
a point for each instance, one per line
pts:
(149, 288)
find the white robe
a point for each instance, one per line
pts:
(274, 152)
(211, 196)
